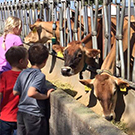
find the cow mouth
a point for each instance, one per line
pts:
(67, 71)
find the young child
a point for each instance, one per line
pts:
(31, 86)
(17, 56)
(12, 30)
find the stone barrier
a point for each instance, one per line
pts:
(69, 117)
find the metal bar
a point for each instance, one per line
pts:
(76, 21)
(133, 73)
(128, 51)
(80, 26)
(68, 22)
(65, 22)
(61, 28)
(94, 32)
(109, 22)
(84, 19)
(117, 42)
(120, 40)
(45, 11)
(106, 28)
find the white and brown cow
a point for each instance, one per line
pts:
(105, 85)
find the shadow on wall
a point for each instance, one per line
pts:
(120, 105)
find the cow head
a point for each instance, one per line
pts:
(75, 55)
(38, 33)
(105, 88)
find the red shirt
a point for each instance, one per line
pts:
(8, 106)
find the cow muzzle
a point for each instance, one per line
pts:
(67, 71)
(109, 117)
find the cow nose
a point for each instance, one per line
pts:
(66, 71)
(109, 118)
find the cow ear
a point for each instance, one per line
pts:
(39, 20)
(31, 26)
(122, 84)
(59, 50)
(91, 52)
(88, 84)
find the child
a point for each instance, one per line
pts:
(32, 89)
(17, 56)
(13, 28)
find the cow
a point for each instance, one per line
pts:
(82, 55)
(42, 31)
(71, 67)
(105, 85)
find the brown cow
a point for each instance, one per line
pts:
(77, 55)
(42, 31)
(105, 85)
(72, 50)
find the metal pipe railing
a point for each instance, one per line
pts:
(128, 50)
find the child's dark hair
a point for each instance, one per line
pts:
(38, 53)
(15, 53)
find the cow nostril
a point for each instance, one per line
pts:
(66, 71)
(109, 118)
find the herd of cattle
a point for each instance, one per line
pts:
(78, 54)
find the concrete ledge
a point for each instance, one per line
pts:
(69, 117)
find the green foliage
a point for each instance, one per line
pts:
(93, 1)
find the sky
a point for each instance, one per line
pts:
(17, 0)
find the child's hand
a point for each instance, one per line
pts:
(49, 91)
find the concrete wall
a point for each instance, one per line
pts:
(69, 117)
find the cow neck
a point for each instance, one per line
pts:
(110, 61)
(100, 71)
(47, 26)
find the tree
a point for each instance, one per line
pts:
(99, 1)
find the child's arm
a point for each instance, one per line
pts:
(15, 93)
(32, 92)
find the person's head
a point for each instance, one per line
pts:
(38, 54)
(17, 56)
(13, 25)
